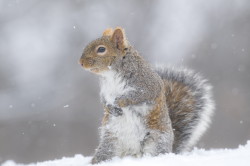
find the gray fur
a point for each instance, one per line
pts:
(105, 150)
(139, 75)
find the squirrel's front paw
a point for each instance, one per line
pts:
(121, 102)
(114, 110)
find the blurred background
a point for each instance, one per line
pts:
(49, 106)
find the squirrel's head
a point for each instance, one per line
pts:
(99, 55)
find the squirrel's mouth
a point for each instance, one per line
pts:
(98, 70)
(95, 69)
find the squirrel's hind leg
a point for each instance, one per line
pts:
(105, 150)
(157, 142)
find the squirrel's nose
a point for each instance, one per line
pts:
(81, 62)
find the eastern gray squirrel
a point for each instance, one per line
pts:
(147, 111)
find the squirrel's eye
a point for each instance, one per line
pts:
(101, 49)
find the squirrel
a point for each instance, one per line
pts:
(147, 111)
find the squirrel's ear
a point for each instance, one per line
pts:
(119, 38)
(108, 32)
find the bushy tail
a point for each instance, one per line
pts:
(190, 104)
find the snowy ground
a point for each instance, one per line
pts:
(220, 157)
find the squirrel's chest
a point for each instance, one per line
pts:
(112, 86)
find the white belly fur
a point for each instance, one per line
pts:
(130, 131)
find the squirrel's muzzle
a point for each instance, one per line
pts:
(87, 63)
(81, 62)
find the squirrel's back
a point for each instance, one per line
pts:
(189, 99)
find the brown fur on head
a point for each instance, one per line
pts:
(100, 53)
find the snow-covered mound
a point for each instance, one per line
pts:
(198, 157)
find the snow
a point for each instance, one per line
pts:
(66, 106)
(198, 157)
